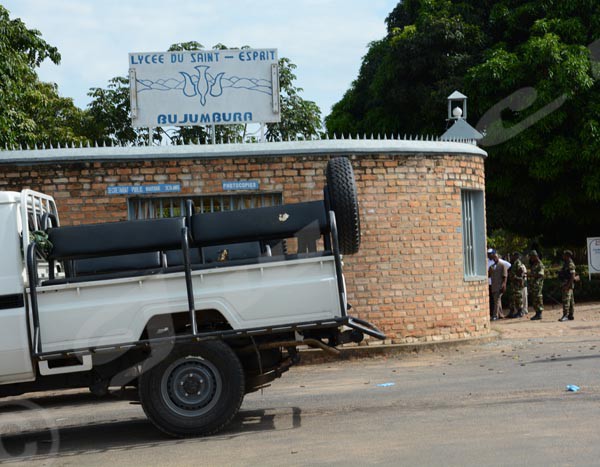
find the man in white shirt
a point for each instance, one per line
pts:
(498, 274)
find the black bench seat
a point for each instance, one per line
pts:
(115, 238)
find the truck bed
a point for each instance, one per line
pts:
(115, 311)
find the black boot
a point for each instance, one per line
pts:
(538, 316)
(520, 314)
(563, 318)
(571, 317)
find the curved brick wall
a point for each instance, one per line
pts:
(408, 276)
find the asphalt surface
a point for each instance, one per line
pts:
(500, 403)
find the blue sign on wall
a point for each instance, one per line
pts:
(144, 189)
(242, 185)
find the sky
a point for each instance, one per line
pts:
(326, 39)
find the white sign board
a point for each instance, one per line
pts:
(593, 248)
(204, 87)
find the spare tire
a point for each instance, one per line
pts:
(343, 200)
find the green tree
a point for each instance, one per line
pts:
(530, 69)
(299, 117)
(109, 119)
(405, 77)
(539, 95)
(31, 112)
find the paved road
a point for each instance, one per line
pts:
(499, 403)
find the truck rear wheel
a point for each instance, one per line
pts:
(197, 390)
(341, 187)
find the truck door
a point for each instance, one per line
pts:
(15, 357)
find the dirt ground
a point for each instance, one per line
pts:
(586, 322)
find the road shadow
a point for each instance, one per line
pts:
(13, 405)
(129, 434)
(564, 359)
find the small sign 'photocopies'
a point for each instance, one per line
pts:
(241, 185)
(204, 87)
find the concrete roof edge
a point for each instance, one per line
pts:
(286, 148)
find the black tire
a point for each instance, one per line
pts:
(343, 200)
(168, 390)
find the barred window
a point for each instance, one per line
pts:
(173, 206)
(473, 233)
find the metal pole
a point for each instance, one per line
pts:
(150, 136)
(262, 133)
(214, 134)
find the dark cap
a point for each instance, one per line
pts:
(533, 253)
(568, 253)
(516, 253)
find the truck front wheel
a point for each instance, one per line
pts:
(197, 390)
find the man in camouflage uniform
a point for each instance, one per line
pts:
(567, 282)
(516, 280)
(536, 284)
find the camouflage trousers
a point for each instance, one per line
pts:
(537, 301)
(568, 302)
(516, 299)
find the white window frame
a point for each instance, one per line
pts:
(473, 234)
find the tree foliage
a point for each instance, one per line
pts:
(531, 71)
(31, 112)
(405, 77)
(545, 177)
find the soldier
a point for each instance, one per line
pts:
(567, 280)
(536, 284)
(516, 279)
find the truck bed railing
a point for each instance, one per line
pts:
(66, 248)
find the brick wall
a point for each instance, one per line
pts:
(408, 276)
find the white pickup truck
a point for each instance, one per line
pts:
(194, 311)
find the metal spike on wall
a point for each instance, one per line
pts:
(334, 136)
(51, 147)
(327, 136)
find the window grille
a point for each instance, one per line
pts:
(473, 233)
(174, 206)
